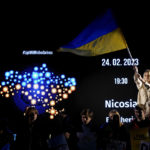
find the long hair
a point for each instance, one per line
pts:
(115, 112)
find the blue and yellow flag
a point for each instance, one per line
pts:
(100, 37)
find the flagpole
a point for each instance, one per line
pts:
(129, 52)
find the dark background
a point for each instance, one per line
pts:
(41, 28)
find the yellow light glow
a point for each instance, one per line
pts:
(51, 116)
(33, 101)
(28, 85)
(69, 91)
(73, 88)
(26, 93)
(46, 100)
(5, 89)
(58, 86)
(7, 95)
(60, 99)
(54, 90)
(18, 87)
(13, 94)
(22, 92)
(52, 103)
(44, 105)
(38, 92)
(35, 86)
(59, 90)
(65, 96)
(30, 97)
(46, 90)
(42, 87)
(52, 111)
(43, 93)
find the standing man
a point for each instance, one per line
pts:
(143, 85)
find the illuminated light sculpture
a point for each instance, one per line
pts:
(39, 88)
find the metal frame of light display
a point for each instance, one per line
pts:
(38, 88)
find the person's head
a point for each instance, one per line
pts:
(114, 117)
(31, 114)
(146, 75)
(86, 116)
(139, 112)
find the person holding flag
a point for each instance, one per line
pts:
(143, 86)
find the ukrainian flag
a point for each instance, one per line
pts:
(100, 37)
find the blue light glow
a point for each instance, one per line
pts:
(20, 77)
(47, 74)
(43, 65)
(3, 83)
(11, 71)
(7, 74)
(24, 84)
(35, 75)
(62, 76)
(40, 84)
(36, 68)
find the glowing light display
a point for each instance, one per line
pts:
(39, 88)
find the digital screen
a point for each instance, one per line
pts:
(103, 82)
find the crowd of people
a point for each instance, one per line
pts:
(37, 133)
(41, 133)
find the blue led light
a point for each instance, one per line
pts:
(20, 77)
(61, 82)
(40, 74)
(3, 83)
(48, 82)
(7, 74)
(24, 76)
(73, 80)
(62, 76)
(30, 80)
(36, 68)
(35, 75)
(11, 71)
(35, 81)
(47, 74)
(66, 84)
(43, 65)
(23, 83)
(73, 83)
(42, 82)
(12, 84)
(11, 76)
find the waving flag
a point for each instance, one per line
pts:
(100, 37)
